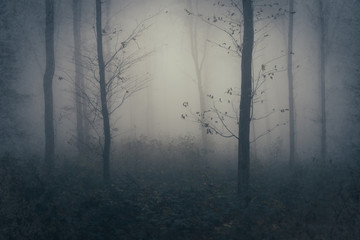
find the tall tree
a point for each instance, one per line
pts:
(198, 62)
(322, 59)
(79, 77)
(238, 25)
(103, 97)
(9, 98)
(291, 86)
(47, 84)
(118, 84)
(246, 97)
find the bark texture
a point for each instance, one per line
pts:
(322, 44)
(79, 78)
(246, 97)
(291, 85)
(103, 95)
(47, 85)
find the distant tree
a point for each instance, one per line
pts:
(198, 58)
(329, 20)
(47, 84)
(79, 76)
(9, 97)
(291, 84)
(322, 61)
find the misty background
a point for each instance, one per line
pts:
(166, 128)
(155, 112)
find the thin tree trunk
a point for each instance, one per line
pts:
(198, 65)
(291, 88)
(106, 45)
(246, 96)
(47, 85)
(79, 78)
(103, 93)
(322, 59)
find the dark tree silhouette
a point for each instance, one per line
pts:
(47, 84)
(322, 45)
(104, 108)
(215, 120)
(117, 86)
(291, 87)
(246, 97)
(79, 76)
(9, 75)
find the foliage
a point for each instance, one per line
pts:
(160, 201)
(224, 120)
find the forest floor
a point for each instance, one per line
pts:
(172, 192)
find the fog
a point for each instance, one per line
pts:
(164, 104)
(155, 111)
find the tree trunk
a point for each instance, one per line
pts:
(106, 45)
(47, 84)
(322, 59)
(291, 88)
(79, 78)
(246, 96)
(198, 65)
(103, 95)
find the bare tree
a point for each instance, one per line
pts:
(322, 14)
(198, 61)
(104, 108)
(9, 77)
(291, 87)
(214, 120)
(79, 76)
(107, 93)
(47, 84)
(246, 97)
(322, 45)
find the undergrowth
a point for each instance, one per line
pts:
(172, 191)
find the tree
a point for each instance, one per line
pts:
(47, 84)
(246, 98)
(104, 108)
(291, 87)
(9, 97)
(118, 85)
(215, 120)
(326, 13)
(198, 62)
(322, 60)
(79, 76)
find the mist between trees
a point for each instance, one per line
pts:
(182, 119)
